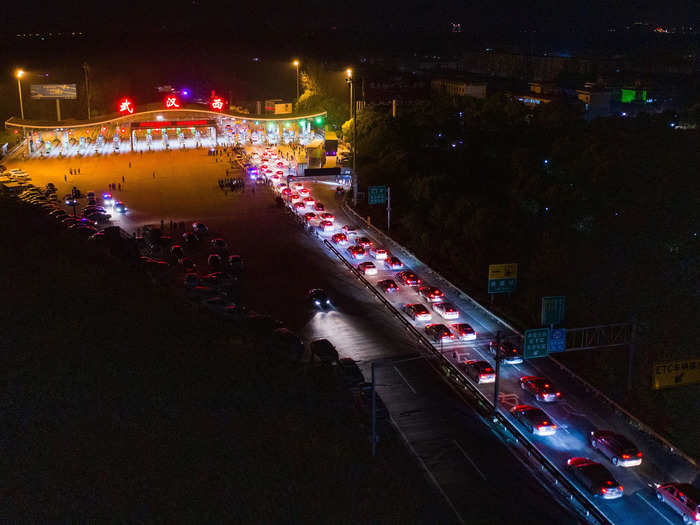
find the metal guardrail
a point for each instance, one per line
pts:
(454, 374)
(631, 419)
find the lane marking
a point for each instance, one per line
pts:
(469, 459)
(405, 380)
(430, 474)
(655, 509)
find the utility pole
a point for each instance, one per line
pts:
(388, 208)
(374, 415)
(353, 115)
(630, 357)
(87, 88)
(498, 372)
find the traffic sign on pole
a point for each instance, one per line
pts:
(553, 309)
(557, 340)
(376, 195)
(503, 278)
(536, 343)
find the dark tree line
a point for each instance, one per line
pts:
(605, 213)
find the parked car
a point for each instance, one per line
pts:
(323, 350)
(235, 263)
(215, 261)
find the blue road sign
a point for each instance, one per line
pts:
(557, 340)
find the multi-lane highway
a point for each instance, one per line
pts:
(575, 414)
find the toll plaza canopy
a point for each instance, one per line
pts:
(163, 129)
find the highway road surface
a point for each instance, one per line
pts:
(576, 413)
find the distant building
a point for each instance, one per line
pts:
(596, 101)
(278, 106)
(458, 88)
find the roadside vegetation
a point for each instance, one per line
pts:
(605, 213)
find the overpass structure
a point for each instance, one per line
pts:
(156, 128)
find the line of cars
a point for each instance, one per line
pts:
(591, 475)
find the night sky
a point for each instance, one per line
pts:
(233, 17)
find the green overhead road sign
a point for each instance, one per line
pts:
(376, 195)
(536, 343)
(553, 309)
(502, 285)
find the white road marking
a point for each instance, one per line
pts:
(469, 459)
(655, 509)
(405, 380)
(431, 475)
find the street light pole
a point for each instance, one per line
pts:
(296, 64)
(498, 372)
(19, 75)
(87, 88)
(353, 115)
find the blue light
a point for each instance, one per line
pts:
(546, 162)
(185, 93)
(672, 124)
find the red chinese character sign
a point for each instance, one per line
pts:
(126, 106)
(172, 102)
(217, 103)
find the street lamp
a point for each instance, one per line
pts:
(353, 115)
(19, 74)
(296, 64)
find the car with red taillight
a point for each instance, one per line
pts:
(534, 419)
(356, 251)
(417, 312)
(393, 263)
(439, 333)
(617, 448)
(367, 268)
(340, 238)
(431, 294)
(388, 286)
(595, 478)
(409, 278)
(378, 253)
(540, 387)
(366, 242)
(683, 498)
(446, 310)
(507, 351)
(464, 331)
(480, 371)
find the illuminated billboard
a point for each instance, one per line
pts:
(53, 91)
